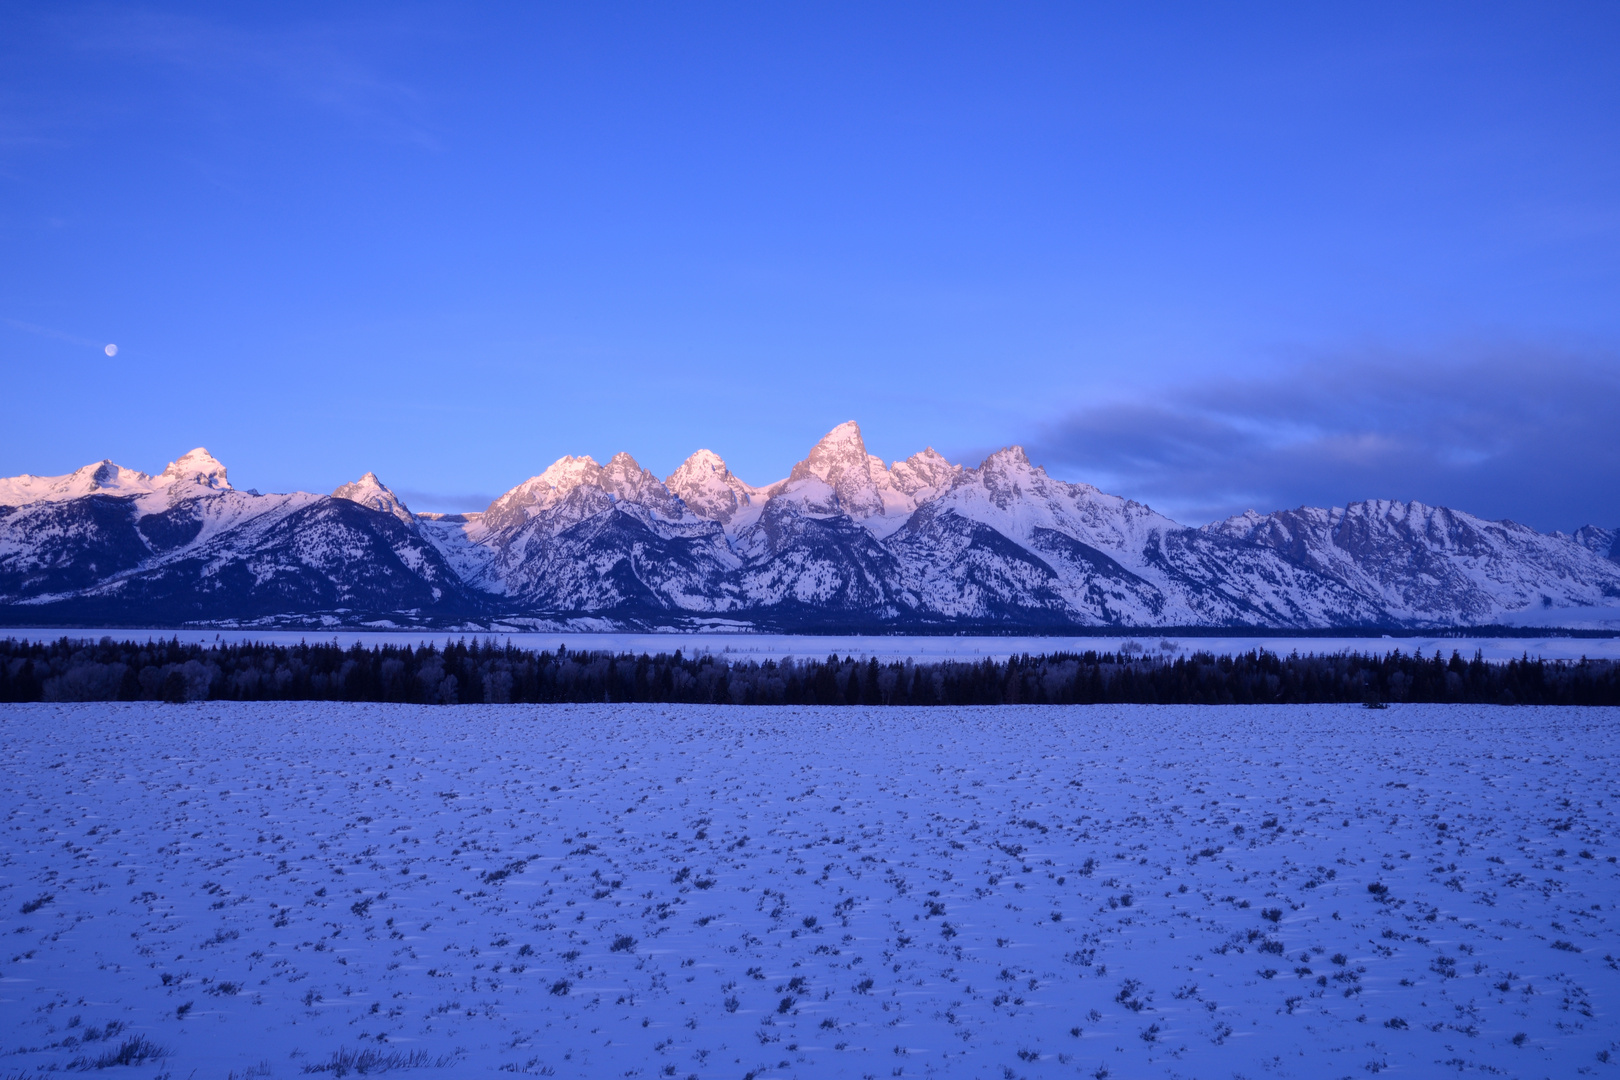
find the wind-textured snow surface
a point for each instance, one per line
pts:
(660, 891)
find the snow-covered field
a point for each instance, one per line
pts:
(1308, 891)
(886, 648)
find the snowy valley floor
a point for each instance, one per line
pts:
(1307, 891)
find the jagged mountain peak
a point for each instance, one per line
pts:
(701, 459)
(840, 451)
(622, 478)
(839, 475)
(1238, 526)
(560, 477)
(1010, 458)
(844, 538)
(1604, 542)
(1007, 475)
(198, 466)
(709, 488)
(371, 492)
(1421, 562)
(1410, 516)
(624, 473)
(568, 472)
(699, 470)
(846, 434)
(101, 476)
(106, 477)
(100, 473)
(537, 492)
(926, 470)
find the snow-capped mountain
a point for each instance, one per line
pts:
(182, 478)
(1605, 542)
(111, 545)
(844, 541)
(1429, 564)
(372, 492)
(712, 491)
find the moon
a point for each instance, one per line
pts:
(111, 350)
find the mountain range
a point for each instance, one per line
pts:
(843, 543)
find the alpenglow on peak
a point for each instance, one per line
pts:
(842, 541)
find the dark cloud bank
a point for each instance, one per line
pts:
(1531, 436)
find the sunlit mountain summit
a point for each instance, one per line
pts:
(844, 542)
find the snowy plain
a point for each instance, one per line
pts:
(883, 647)
(278, 890)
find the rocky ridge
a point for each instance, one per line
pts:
(843, 542)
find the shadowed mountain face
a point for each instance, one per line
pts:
(843, 542)
(186, 547)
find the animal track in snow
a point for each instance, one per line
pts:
(814, 892)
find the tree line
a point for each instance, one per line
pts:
(487, 672)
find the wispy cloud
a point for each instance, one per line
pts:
(323, 64)
(55, 335)
(1528, 434)
(441, 503)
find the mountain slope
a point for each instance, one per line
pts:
(843, 541)
(1430, 564)
(185, 547)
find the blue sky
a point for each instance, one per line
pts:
(1211, 257)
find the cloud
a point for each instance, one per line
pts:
(440, 503)
(318, 63)
(1527, 434)
(55, 335)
